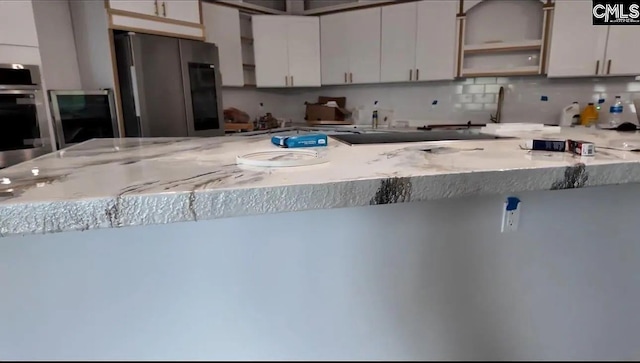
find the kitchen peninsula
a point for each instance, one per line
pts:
(388, 251)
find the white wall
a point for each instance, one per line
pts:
(57, 45)
(472, 99)
(92, 44)
(281, 103)
(412, 281)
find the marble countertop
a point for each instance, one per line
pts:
(128, 182)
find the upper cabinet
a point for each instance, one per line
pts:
(579, 48)
(181, 10)
(418, 41)
(17, 24)
(144, 7)
(503, 37)
(350, 47)
(622, 57)
(287, 51)
(180, 18)
(222, 27)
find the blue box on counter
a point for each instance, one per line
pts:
(310, 140)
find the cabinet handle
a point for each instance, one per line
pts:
(597, 67)
(291, 81)
(351, 77)
(417, 74)
(155, 3)
(609, 67)
(411, 74)
(345, 77)
(164, 9)
(286, 81)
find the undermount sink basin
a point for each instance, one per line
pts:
(417, 136)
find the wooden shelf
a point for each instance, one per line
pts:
(517, 71)
(251, 66)
(246, 40)
(502, 47)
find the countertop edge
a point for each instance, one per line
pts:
(139, 210)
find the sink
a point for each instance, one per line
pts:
(415, 136)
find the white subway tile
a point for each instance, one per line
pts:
(472, 106)
(468, 98)
(492, 88)
(474, 89)
(485, 80)
(484, 98)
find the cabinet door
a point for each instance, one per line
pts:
(185, 10)
(146, 7)
(334, 45)
(17, 24)
(270, 50)
(622, 56)
(303, 35)
(436, 40)
(364, 45)
(577, 46)
(222, 27)
(398, 42)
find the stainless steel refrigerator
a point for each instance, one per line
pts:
(169, 87)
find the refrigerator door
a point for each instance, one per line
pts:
(155, 86)
(129, 96)
(202, 85)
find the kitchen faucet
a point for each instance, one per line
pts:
(496, 118)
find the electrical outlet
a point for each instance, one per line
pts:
(510, 215)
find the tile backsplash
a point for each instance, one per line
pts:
(526, 99)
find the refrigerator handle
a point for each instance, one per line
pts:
(134, 86)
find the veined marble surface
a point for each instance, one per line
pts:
(127, 182)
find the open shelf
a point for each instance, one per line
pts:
(498, 47)
(515, 71)
(246, 40)
(251, 66)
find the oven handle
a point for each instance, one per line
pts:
(19, 87)
(18, 92)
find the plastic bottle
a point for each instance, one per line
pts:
(374, 116)
(615, 112)
(589, 115)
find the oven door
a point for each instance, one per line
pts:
(83, 115)
(24, 132)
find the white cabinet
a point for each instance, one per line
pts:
(173, 18)
(303, 44)
(180, 10)
(418, 41)
(350, 47)
(222, 27)
(364, 30)
(436, 40)
(399, 29)
(287, 51)
(623, 56)
(270, 49)
(579, 48)
(144, 7)
(334, 49)
(17, 24)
